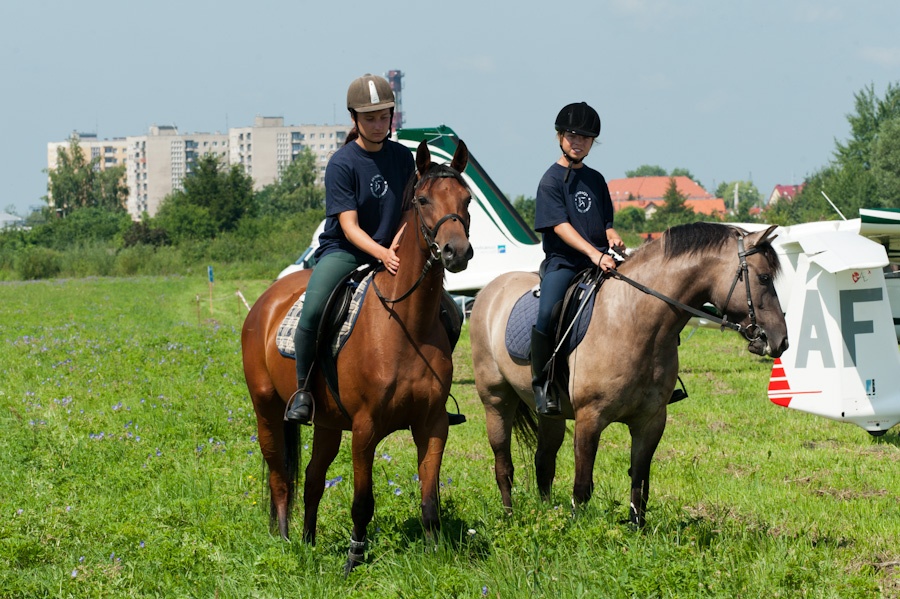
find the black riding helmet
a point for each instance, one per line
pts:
(578, 118)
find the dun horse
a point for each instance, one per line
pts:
(394, 371)
(626, 367)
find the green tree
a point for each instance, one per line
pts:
(748, 198)
(182, 220)
(683, 172)
(647, 170)
(886, 162)
(673, 211)
(864, 172)
(525, 207)
(871, 113)
(631, 218)
(296, 189)
(77, 182)
(214, 191)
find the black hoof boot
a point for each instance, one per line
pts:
(355, 555)
(300, 408)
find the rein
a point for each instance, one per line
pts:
(753, 332)
(429, 235)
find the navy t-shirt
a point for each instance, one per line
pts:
(584, 202)
(372, 184)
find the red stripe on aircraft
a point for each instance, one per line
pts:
(781, 401)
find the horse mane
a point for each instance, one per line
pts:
(434, 171)
(703, 237)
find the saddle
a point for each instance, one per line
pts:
(339, 318)
(571, 319)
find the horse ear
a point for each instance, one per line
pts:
(762, 237)
(423, 157)
(460, 157)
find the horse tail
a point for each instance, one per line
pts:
(525, 427)
(291, 466)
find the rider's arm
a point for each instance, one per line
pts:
(572, 238)
(350, 225)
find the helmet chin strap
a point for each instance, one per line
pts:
(372, 141)
(572, 162)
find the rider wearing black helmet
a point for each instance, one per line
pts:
(574, 214)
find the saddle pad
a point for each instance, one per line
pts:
(524, 316)
(284, 338)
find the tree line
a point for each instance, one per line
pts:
(217, 215)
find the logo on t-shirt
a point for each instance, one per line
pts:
(582, 201)
(378, 186)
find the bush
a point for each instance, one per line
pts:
(38, 263)
(144, 233)
(88, 261)
(85, 225)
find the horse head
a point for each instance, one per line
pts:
(763, 324)
(441, 200)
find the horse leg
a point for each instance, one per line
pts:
(500, 414)
(644, 440)
(587, 439)
(326, 443)
(363, 508)
(430, 441)
(551, 432)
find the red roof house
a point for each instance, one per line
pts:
(787, 192)
(647, 193)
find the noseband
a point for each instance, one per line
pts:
(752, 332)
(428, 234)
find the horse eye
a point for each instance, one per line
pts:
(422, 200)
(765, 278)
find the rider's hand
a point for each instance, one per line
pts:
(390, 259)
(606, 263)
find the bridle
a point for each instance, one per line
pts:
(429, 234)
(752, 332)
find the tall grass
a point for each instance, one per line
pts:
(129, 468)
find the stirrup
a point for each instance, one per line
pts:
(678, 394)
(542, 401)
(456, 418)
(550, 408)
(291, 413)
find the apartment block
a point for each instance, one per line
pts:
(157, 163)
(266, 148)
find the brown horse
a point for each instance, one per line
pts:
(394, 372)
(625, 368)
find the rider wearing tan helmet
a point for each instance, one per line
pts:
(364, 183)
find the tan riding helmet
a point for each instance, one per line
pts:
(369, 93)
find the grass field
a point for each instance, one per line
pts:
(129, 468)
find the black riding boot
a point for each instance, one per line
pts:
(541, 351)
(301, 404)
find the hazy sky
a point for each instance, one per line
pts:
(727, 89)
